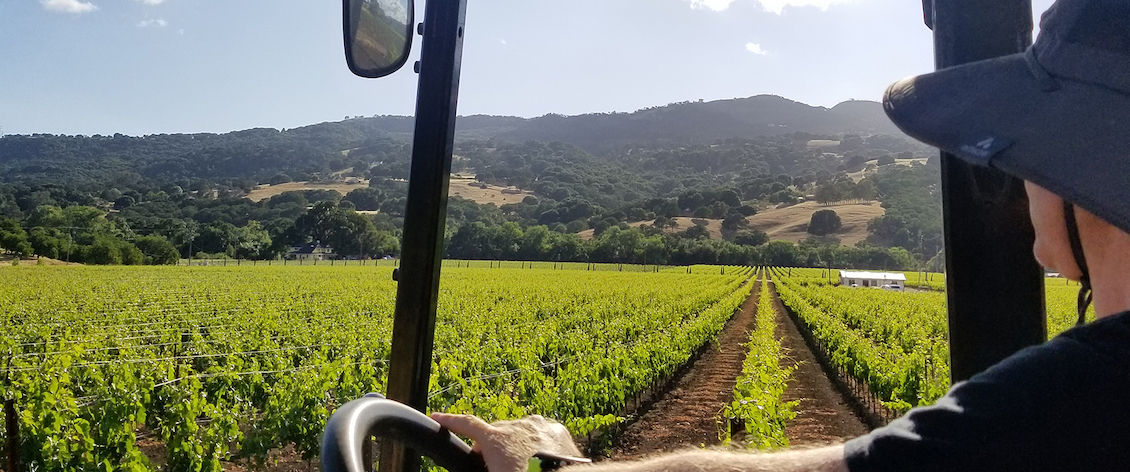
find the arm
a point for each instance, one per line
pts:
(824, 459)
(507, 446)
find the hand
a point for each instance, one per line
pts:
(507, 446)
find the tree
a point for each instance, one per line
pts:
(124, 201)
(751, 238)
(576, 226)
(252, 242)
(824, 222)
(157, 250)
(365, 199)
(734, 221)
(697, 232)
(600, 227)
(131, 255)
(864, 190)
(105, 251)
(851, 142)
(746, 210)
(14, 238)
(782, 254)
(886, 159)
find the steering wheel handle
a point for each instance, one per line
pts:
(373, 415)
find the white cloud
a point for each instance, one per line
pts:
(158, 23)
(778, 6)
(755, 48)
(775, 6)
(716, 5)
(150, 2)
(503, 41)
(68, 6)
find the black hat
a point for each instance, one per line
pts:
(1057, 115)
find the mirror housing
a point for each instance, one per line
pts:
(378, 35)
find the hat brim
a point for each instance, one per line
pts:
(1073, 140)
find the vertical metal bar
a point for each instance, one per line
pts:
(12, 429)
(994, 286)
(424, 219)
(11, 424)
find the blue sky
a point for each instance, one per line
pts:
(172, 66)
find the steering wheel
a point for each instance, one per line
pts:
(373, 415)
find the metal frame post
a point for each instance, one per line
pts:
(994, 286)
(11, 423)
(424, 219)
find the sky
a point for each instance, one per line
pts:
(141, 67)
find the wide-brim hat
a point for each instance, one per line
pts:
(1057, 115)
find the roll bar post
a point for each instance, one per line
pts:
(994, 286)
(425, 217)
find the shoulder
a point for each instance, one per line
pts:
(1048, 407)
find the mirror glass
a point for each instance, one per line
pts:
(378, 35)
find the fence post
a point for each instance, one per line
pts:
(11, 424)
(12, 430)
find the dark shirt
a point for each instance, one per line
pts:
(1061, 406)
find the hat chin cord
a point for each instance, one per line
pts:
(1085, 295)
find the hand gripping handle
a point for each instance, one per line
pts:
(349, 427)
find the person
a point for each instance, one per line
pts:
(1058, 117)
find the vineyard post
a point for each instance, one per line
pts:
(11, 422)
(12, 428)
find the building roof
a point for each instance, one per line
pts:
(308, 248)
(849, 274)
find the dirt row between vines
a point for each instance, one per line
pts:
(823, 415)
(686, 415)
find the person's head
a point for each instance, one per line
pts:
(1102, 242)
(1056, 116)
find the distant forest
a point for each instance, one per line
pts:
(158, 198)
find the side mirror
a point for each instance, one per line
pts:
(378, 35)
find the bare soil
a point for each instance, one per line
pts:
(823, 414)
(684, 223)
(9, 259)
(459, 187)
(268, 191)
(788, 223)
(686, 415)
(866, 171)
(492, 194)
(791, 223)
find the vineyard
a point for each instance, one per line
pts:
(188, 368)
(892, 344)
(195, 368)
(758, 407)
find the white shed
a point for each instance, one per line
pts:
(887, 280)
